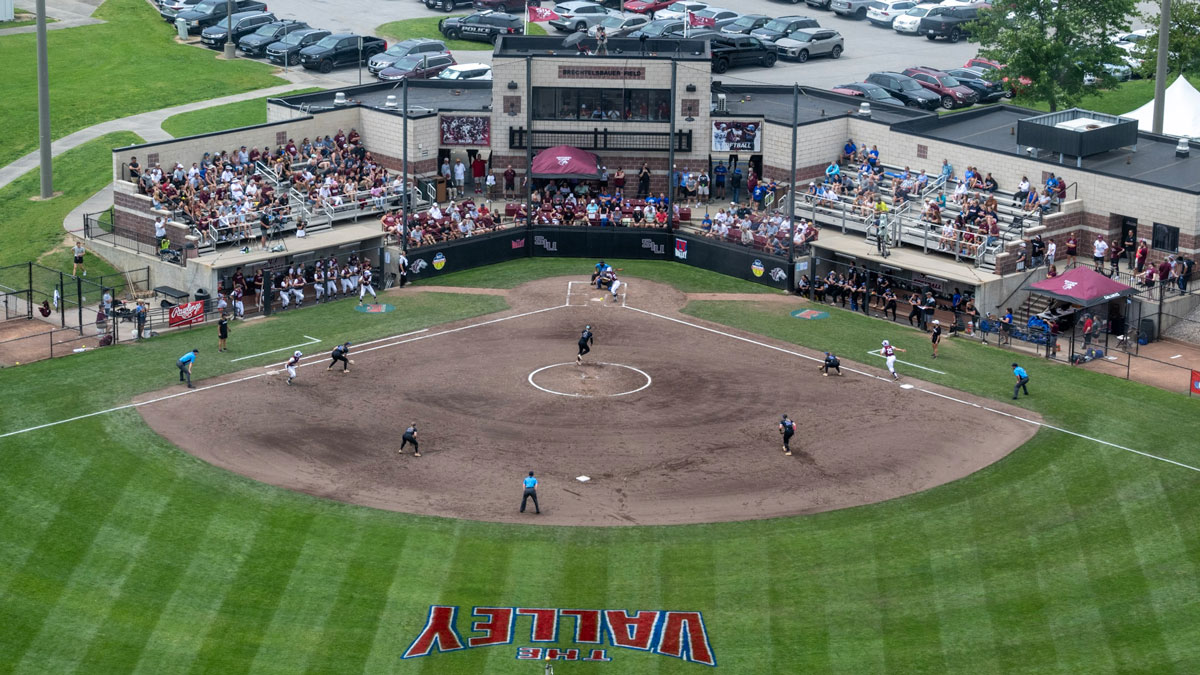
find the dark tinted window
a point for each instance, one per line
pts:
(1166, 238)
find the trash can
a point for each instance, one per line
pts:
(182, 28)
(1147, 332)
(201, 294)
(440, 182)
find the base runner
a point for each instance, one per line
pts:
(291, 365)
(889, 352)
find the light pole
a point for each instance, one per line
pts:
(1160, 67)
(230, 48)
(43, 84)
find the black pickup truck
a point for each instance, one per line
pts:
(737, 50)
(950, 24)
(210, 12)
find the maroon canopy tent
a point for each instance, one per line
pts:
(563, 161)
(1082, 286)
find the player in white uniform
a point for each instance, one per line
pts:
(319, 280)
(298, 287)
(364, 285)
(347, 284)
(283, 290)
(291, 366)
(610, 279)
(239, 307)
(889, 352)
(331, 273)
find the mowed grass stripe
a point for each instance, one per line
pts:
(853, 618)
(233, 639)
(912, 640)
(1182, 507)
(346, 638)
(744, 577)
(796, 629)
(305, 603)
(534, 572)
(179, 634)
(637, 559)
(70, 626)
(35, 588)
(683, 559)
(423, 564)
(957, 594)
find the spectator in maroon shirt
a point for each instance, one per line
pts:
(1164, 269)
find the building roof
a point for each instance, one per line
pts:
(992, 128)
(425, 97)
(775, 103)
(619, 49)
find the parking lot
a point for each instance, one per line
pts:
(868, 48)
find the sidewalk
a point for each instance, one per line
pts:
(67, 14)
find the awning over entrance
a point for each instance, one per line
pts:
(563, 161)
(1082, 286)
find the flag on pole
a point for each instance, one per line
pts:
(542, 14)
(697, 21)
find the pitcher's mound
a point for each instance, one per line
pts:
(590, 379)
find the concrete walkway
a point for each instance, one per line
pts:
(68, 14)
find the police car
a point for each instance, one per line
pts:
(482, 26)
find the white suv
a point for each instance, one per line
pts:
(883, 12)
(910, 21)
(466, 71)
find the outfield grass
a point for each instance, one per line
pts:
(101, 72)
(222, 117)
(122, 553)
(511, 274)
(427, 27)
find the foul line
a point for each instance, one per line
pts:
(876, 353)
(927, 391)
(197, 390)
(311, 340)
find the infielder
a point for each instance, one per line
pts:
(290, 366)
(787, 429)
(831, 361)
(410, 436)
(364, 285)
(340, 353)
(889, 352)
(585, 344)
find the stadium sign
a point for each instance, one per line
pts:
(679, 635)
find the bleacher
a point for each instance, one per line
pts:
(905, 226)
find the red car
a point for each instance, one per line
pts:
(644, 7)
(982, 64)
(950, 91)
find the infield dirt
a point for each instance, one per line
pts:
(699, 444)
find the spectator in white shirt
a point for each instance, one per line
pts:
(1099, 249)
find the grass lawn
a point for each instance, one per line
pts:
(24, 20)
(122, 553)
(516, 272)
(1123, 98)
(222, 117)
(427, 27)
(35, 229)
(101, 72)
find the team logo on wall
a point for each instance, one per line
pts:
(575, 634)
(681, 249)
(439, 261)
(777, 274)
(756, 267)
(417, 265)
(461, 130)
(518, 243)
(728, 136)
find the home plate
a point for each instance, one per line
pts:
(906, 386)
(583, 479)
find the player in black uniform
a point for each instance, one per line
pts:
(585, 344)
(937, 336)
(787, 429)
(831, 361)
(410, 436)
(339, 354)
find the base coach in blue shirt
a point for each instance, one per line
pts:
(530, 492)
(185, 367)
(1022, 380)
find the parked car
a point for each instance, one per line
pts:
(745, 24)
(950, 24)
(256, 43)
(987, 90)
(405, 48)
(647, 6)
(679, 10)
(719, 16)
(416, 67)
(988, 65)
(884, 12)
(466, 71)
(783, 27)
(854, 8)
(510, 6)
(1119, 72)
(909, 91)
(910, 21)
(287, 50)
(805, 43)
(658, 28)
(482, 26)
(578, 15)
(211, 12)
(244, 23)
(169, 9)
(341, 49)
(447, 5)
(620, 26)
(736, 50)
(819, 4)
(872, 92)
(950, 91)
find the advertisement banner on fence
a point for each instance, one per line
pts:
(729, 136)
(1195, 388)
(186, 314)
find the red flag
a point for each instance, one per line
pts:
(698, 21)
(540, 14)
(1195, 383)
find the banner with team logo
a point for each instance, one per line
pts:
(730, 136)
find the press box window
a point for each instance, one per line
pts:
(1166, 238)
(613, 105)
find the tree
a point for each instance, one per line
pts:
(1184, 55)
(1053, 43)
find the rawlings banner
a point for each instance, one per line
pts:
(186, 314)
(1195, 383)
(698, 21)
(729, 136)
(540, 14)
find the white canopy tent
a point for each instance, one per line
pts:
(1182, 116)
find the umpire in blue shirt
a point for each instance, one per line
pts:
(185, 367)
(1022, 380)
(530, 492)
